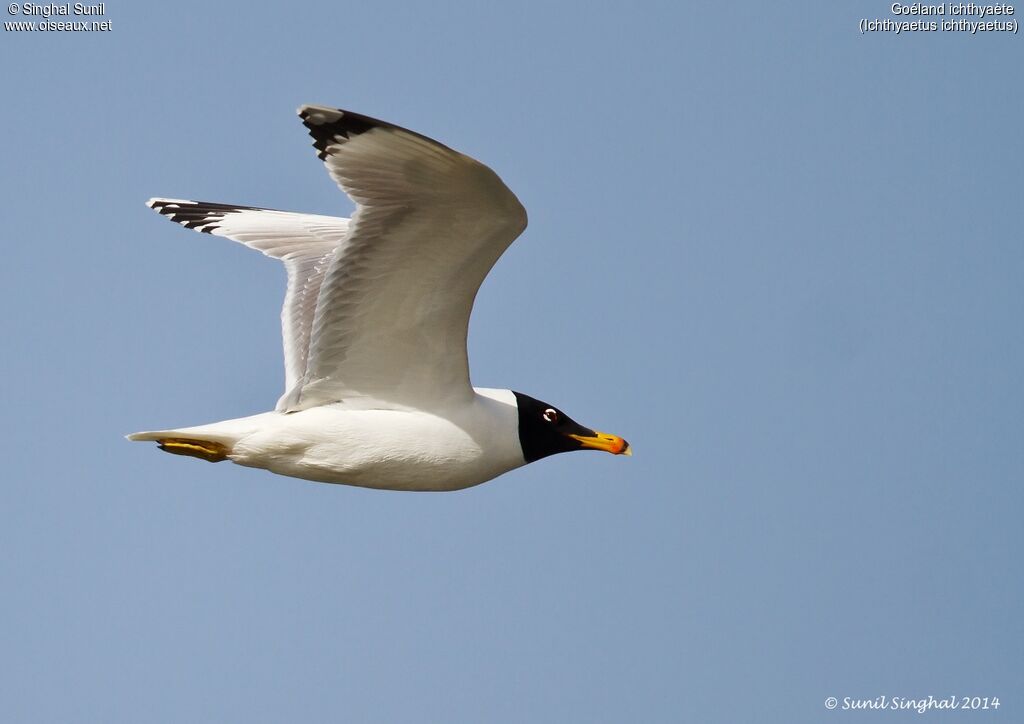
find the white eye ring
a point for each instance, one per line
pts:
(551, 415)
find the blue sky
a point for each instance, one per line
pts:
(780, 257)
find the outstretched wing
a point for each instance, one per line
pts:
(393, 310)
(304, 242)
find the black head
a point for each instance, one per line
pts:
(545, 430)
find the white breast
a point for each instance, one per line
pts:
(444, 449)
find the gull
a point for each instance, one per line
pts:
(377, 386)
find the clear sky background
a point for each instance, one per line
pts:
(782, 258)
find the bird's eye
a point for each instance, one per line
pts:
(551, 415)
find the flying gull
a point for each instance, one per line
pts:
(377, 389)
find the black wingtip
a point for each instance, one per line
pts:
(199, 215)
(333, 126)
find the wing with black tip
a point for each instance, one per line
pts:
(304, 242)
(393, 309)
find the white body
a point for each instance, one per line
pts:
(447, 449)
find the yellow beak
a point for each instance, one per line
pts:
(602, 441)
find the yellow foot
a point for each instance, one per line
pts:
(211, 452)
